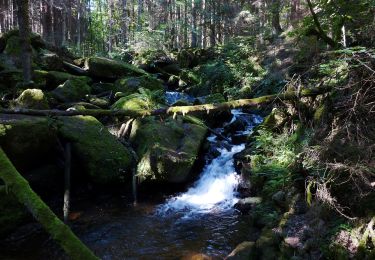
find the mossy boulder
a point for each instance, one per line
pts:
(72, 90)
(131, 85)
(100, 154)
(167, 150)
(56, 78)
(155, 61)
(111, 69)
(275, 120)
(48, 60)
(32, 98)
(136, 101)
(10, 78)
(29, 142)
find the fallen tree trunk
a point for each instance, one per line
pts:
(60, 232)
(182, 110)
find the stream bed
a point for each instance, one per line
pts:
(200, 220)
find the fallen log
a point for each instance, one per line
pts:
(178, 110)
(61, 233)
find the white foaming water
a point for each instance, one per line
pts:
(216, 189)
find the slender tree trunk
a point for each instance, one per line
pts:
(24, 28)
(318, 26)
(275, 7)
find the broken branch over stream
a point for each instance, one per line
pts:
(182, 110)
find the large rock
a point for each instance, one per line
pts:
(32, 98)
(29, 142)
(56, 78)
(72, 90)
(131, 85)
(166, 149)
(100, 154)
(48, 60)
(136, 101)
(106, 68)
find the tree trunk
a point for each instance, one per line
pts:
(61, 233)
(24, 28)
(321, 32)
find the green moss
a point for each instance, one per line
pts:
(55, 78)
(139, 101)
(74, 89)
(102, 156)
(107, 68)
(12, 213)
(167, 150)
(28, 141)
(133, 84)
(32, 98)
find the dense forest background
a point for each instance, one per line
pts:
(114, 26)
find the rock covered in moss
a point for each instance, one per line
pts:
(49, 60)
(111, 69)
(9, 78)
(28, 141)
(32, 98)
(101, 155)
(167, 150)
(275, 120)
(72, 90)
(133, 84)
(56, 78)
(138, 101)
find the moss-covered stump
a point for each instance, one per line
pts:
(98, 152)
(110, 69)
(167, 150)
(133, 84)
(12, 213)
(29, 142)
(32, 98)
(72, 90)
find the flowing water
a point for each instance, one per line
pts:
(200, 220)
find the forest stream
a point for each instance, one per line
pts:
(200, 220)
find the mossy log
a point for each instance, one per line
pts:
(61, 233)
(178, 110)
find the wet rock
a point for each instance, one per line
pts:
(101, 155)
(106, 68)
(245, 250)
(32, 98)
(167, 150)
(72, 90)
(246, 204)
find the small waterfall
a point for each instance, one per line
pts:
(216, 188)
